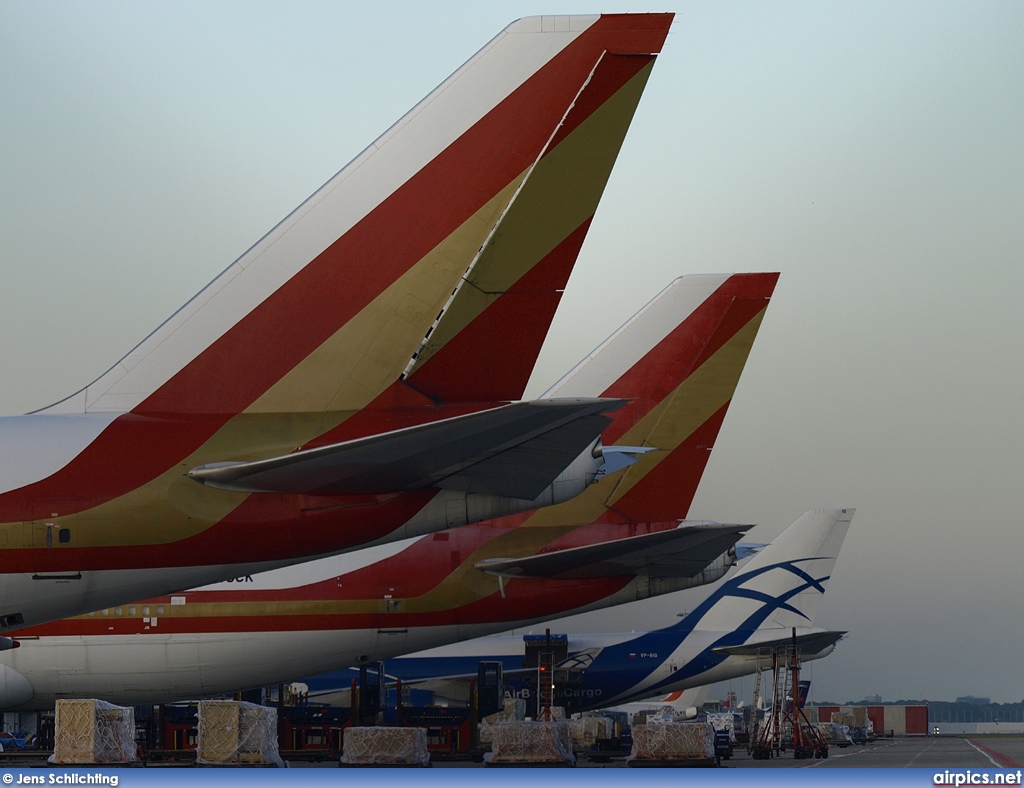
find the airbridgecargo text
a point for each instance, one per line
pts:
(525, 693)
(969, 777)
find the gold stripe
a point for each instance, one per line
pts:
(362, 359)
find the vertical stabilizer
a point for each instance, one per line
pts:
(440, 251)
(326, 310)
(783, 584)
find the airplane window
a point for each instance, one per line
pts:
(117, 611)
(64, 535)
(145, 610)
(159, 610)
(131, 610)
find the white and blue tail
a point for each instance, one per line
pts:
(782, 586)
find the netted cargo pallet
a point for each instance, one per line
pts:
(233, 733)
(93, 731)
(378, 746)
(656, 716)
(677, 742)
(530, 742)
(514, 711)
(587, 731)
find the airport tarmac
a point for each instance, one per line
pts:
(924, 752)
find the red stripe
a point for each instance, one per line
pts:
(545, 599)
(675, 357)
(275, 527)
(524, 599)
(125, 455)
(686, 347)
(419, 569)
(1003, 760)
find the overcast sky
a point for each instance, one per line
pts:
(873, 152)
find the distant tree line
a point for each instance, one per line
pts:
(951, 711)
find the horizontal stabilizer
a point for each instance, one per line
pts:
(618, 457)
(514, 451)
(682, 552)
(748, 549)
(808, 643)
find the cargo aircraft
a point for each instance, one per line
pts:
(677, 362)
(769, 602)
(338, 385)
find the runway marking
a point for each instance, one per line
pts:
(997, 758)
(834, 758)
(911, 762)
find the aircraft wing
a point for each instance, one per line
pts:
(681, 552)
(514, 451)
(808, 642)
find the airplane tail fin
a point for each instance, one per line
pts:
(782, 586)
(687, 701)
(324, 312)
(678, 362)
